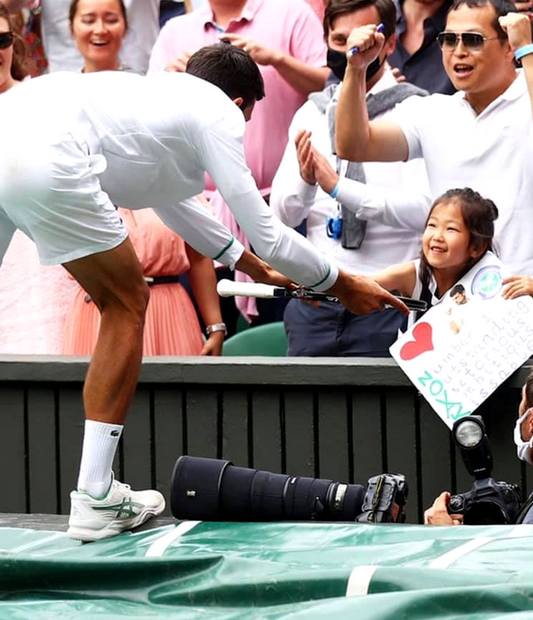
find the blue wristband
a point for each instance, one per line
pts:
(335, 191)
(525, 50)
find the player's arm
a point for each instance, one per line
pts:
(192, 221)
(282, 247)
(357, 139)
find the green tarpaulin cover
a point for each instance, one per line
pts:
(271, 570)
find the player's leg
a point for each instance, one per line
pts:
(114, 280)
(101, 506)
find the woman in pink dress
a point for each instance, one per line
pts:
(33, 298)
(172, 326)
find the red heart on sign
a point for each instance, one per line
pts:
(422, 342)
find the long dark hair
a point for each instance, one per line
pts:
(18, 64)
(478, 214)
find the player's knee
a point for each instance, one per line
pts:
(140, 296)
(129, 303)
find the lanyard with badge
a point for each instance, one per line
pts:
(334, 224)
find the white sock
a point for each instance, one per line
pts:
(100, 441)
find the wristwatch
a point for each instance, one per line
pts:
(216, 327)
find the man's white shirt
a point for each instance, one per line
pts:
(491, 152)
(150, 140)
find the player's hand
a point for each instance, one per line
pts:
(213, 345)
(516, 286)
(438, 513)
(362, 295)
(518, 29)
(325, 175)
(368, 41)
(179, 64)
(260, 54)
(304, 153)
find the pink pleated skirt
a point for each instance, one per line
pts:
(171, 327)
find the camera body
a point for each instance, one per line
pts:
(488, 502)
(384, 500)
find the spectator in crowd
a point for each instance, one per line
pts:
(479, 137)
(143, 20)
(12, 57)
(458, 234)
(29, 321)
(284, 37)
(98, 30)
(392, 207)
(171, 326)
(417, 54)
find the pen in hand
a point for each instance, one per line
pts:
(355, 50)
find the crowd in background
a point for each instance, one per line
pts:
(383, 206)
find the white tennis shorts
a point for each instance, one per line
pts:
(53, 194)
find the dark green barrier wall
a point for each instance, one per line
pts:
(344, 419)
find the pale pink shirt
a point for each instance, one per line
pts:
(318, 6)
(291, 27)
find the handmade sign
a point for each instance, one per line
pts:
(462, 349)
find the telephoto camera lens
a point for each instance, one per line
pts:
(212, 489)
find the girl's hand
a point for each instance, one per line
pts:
(517, 26)
(369, 43)
(516, 286)
(213, 345)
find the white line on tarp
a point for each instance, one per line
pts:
(159, 546)
(523, 530)
(450, 557)
(359, 580)
(33, 544)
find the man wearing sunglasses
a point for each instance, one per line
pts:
(479, 137)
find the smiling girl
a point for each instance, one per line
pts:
(458, 234)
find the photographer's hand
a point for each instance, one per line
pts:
(438, 513)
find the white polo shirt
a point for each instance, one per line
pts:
(149, 141)
(491, 152)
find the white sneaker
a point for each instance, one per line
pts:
(121, 509)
